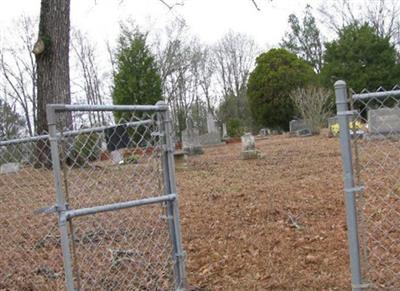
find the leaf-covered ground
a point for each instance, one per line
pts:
(277, 223)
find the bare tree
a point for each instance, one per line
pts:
(181, 62)
(313, 105)
(18, 70)
(91, 86)
(383, 15)
(234, 57)
(206, 75)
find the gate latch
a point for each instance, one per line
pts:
(348, 113)
(355, 189)
(49, 210)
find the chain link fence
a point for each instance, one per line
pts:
(118, 220)
(30, 257)
(370, 139)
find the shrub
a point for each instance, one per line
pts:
(86, 147)
(235, 128)
(314, 104)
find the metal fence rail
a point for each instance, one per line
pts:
(370, 143)
(118, 218)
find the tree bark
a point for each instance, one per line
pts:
(53, 82)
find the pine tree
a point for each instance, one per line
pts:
(136, 80)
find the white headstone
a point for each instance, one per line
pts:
(10, 168)
(249, 151)
(117, 157)
(211, 123)
(248, 142)
(264, 131)
(224, 131)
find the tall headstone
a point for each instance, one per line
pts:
(213, 135)
(211, 123)
(190, 139)
(224, 131)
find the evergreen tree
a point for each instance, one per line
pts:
(360, 57)
(304, 39)
(276, 74)
(136, 80)
(11, 123)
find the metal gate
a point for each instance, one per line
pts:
(116, 201)
(370, 145)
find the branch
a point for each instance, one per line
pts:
(170, 7)
(255, 5)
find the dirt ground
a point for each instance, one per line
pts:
(277, 223)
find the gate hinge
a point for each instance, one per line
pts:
(355, 189)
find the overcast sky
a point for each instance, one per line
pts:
(209, 19)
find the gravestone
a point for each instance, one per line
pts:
(384, 121)
(264, 132)
(117, 138)
(304, 132)
(213, 135)
(299, 127)
(10, 168)
(249, 151)
(180, 159)
(117, 157)
(211, 138)
(211, 127)
(191, 139)
(224, 131)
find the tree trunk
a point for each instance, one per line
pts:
(52, 60)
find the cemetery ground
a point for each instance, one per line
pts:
(276, 223)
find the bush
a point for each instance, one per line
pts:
(86, 147)
(313, 104)
(235, 128)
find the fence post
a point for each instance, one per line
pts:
(343, 114)
(165, 124)
(61, 206)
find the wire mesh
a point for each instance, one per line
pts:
(376, 147)
(124, 249)
(101, 164)
(30, 257)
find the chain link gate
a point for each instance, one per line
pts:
(116, 203)
(370, 145)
